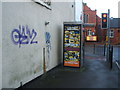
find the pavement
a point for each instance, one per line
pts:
(94, 74)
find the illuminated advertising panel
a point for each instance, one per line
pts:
(72, 45)
(91, 38)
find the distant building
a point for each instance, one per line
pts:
(91, 21)
(115, 30)
(92, 26)
(99, 34)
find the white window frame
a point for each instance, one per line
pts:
(41, 2)
(111, 33)
(89, 32)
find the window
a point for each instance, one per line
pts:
(45, 3)
(111, 33)
(119, 31)
(89, 33)
(85, 18)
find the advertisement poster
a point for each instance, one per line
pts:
(91, 38)
(72, 45)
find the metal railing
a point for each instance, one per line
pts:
(116, 62)
(102, 51)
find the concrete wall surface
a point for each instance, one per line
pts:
(24, 35)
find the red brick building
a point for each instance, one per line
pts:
(92, 26)
(91, 22)
(115, 30)
(101, 33)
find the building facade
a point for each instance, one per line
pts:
(115, 30)
(91, 21)
(92, 26)
(31, 38)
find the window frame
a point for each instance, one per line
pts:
(112, 33)
(89, 32)
(86, 16)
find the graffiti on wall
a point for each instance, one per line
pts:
(48, 45)
(23, 35)
(48, 41)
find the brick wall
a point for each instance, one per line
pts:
(91, 13)
(116, 38)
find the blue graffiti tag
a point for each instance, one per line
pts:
(48, 43)
(23, 35)
(47, 37)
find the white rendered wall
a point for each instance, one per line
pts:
(24, 62)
